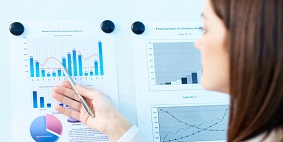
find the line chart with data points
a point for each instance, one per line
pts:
(190, 123)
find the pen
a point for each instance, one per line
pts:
(83, 102)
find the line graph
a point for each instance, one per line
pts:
(80, 56)
(190, 123)
(84, 58)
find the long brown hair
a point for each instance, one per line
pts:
(255, 47)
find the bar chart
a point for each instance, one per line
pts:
(81, 57)
(172, 63)
(41, 99)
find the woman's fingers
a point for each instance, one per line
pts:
(66, 92)
(66, 84)
(67, 101)
(69, 112)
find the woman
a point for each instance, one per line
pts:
(242, 55)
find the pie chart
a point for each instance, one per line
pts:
(46, 128)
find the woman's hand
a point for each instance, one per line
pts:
(107, 119)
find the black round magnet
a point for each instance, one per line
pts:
(17, 28)
(138, 27)
(107, 26)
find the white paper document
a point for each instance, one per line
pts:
(89, 56)
(172, 105)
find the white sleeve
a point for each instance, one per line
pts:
(129, 134)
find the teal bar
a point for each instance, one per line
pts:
(64, 63)
(96, 68)
(54, 74)
(69, 64)
(86, 74)
(31, 67)
(59, 73)
(100, 58)
(37, 69)
(75, 62)
(80, 65)
(43, 73)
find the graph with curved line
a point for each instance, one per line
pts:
(81, 57)
(190, 123)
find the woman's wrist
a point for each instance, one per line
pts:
(118, 127)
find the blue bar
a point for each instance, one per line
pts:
(64, 63)
(80, 65)
(54, 74)
(48, 74)
(34, 98)
(42, 73)
(91, 73)
(37, 68)
(96, 68)
(59, 73)
(49, 105)
(86, 74)
(100, 58)
(184, 80)
(69, 64)
(195, 78)
(41, 102)
(75, 62)
(31, 67)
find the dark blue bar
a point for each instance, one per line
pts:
(64, 63)
(41, 102)
(42, 73)
(59, 73)
(69, 64)
(49, 105)
(168, 83)
(100, 58)
(96, 68)
(75, 62)
(80, 65)
(34, 98)
(184, 80)
(37, 68)
(61, 104)
(31, 67)
(195, 78)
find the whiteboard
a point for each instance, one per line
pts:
(123, 13)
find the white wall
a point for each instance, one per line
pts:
(123, 13)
